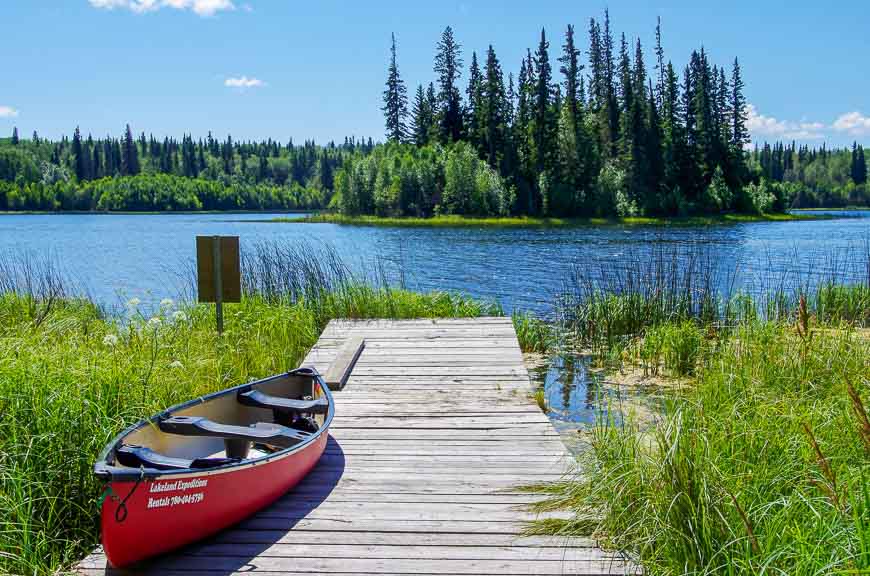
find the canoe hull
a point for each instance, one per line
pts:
(165, 513)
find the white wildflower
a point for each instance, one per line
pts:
(133, 302)
(110, 340)
(154, 322)
(167, 303)
(176, 364)
(179, 316)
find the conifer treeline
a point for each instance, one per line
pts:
(144, 173)
(804, 177)
(597, 136)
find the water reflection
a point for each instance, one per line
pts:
(577, 396)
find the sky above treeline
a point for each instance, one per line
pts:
(315, 70)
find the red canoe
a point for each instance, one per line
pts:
(201, 466)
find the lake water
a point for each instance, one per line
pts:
(120, 256)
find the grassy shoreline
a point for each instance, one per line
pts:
(71, 379)
(533, 222)
(727, 476)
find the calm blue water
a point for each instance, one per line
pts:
(118, 257)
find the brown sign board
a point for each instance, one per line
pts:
(223, 251)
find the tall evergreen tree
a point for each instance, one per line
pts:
(544, 119)
(522, 135)
(395, 99)
(739, 133)
(421, 118)
(574, 145)
(493, 112)
(129, 155)
(15, 136)
(660, 64)
(474, 95)
(612, 106)
(858, 169)
(448, 66)
(78, 156)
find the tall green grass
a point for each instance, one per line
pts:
(760, 467)
(71, 378)
(607, 307)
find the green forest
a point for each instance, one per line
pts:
(606, 132)
(595, 136)
(145, 174)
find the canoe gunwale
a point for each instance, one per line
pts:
(110, 473)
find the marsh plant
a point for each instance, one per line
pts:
(759, 466)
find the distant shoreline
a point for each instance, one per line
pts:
(529, 222)
(144, 212)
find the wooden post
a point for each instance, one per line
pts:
(218, 275)
(218, 284)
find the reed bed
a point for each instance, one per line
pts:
(72, 377)
(606, 305)
(759, 467)
(760, 464)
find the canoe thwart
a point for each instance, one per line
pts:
(340, 369)
(258, 399)
(266, 433)
(136, 456)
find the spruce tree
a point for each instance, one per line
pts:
(596, 67)
(129, 155)
(612, 106)
(15, 136)
(473, 114)
(78, 156)
(660, 64)
(655, 158)
(544, 119)
(739, 134)
(421, 118)
(626, 101)
(574, 145)
(522, 135)
(395, 99)
(448, 66)
(493, 111)
(858, 169)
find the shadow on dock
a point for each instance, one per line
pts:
(237, 548)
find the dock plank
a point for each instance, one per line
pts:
(435, 431)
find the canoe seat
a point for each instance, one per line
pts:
(283, 405)
(266, 433)
(139, 456)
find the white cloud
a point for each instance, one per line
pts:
(8, 112)
(853, 123)
(200, 7)
(243, 82)
(761, 125)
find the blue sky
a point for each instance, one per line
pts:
(286, 68)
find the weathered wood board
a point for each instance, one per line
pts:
(434, 431)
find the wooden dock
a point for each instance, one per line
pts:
(433, 429)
